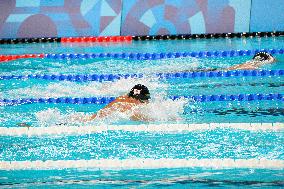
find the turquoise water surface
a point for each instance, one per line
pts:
(221, 143)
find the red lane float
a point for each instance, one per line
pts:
(6, 58)
(99, 39)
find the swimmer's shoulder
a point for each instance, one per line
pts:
(127, 99)
(123, 97)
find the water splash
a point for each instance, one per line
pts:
(53, 116)
(162, 109)
(159, 109)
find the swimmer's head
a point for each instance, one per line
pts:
(140, 92)
(264, 57)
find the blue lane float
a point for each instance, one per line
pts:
(67, 100)
(155, 56)
(106, 100)
(238, 97)
(114, 77)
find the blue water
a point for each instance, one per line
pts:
(211, 144)
(220, 143)
(148, 178)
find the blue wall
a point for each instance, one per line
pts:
(46, 18)
(267, 15)
(150, 17)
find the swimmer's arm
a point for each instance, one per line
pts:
(23, 124)
(236, 67)
(244, 66)
(138, 116)
(106, 110)
(198, 70)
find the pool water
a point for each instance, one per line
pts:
(143, 143)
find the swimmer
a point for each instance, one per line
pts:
(259, 59)
(138, 95)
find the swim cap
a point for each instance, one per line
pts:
(144, 93)
(263, 56)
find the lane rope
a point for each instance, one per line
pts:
(115, 77)
(6, 58)
(157, 56)
(88, 39)
(96, 39)
(208, 36)
(146, 56)
(143, 163)
(106, 100)
(153, 128)
(85, 39)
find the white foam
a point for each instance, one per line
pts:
(139, 163)
(49, 116)
(158, 109)
(163, 128)
(53, 116)
(161, 109)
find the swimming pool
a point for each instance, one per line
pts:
(209, 129)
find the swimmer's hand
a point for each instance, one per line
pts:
(139, 116)
(23, 125)
(89, 118)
